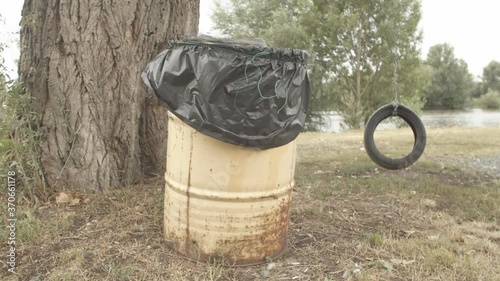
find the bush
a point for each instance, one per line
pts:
(20, 138)
(490, 100)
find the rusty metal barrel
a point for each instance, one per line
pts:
(224, 201)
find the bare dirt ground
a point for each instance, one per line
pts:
(437, 220)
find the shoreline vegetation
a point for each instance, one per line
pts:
(490, 100)
(350, 220)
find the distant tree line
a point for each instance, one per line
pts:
(353, 47)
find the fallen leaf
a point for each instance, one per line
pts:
(408, 233)
(429, 203)
(387, 265)
(63, 198)
(471, 252)
(155, 245)
(401, 262)
(357, 269)
(75, 202)
(265, 273)
(88, 255)
(139, 229)
(271, 266)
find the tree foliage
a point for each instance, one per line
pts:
(352, 46)
(3, 75)
(491, 76)
(451, 81)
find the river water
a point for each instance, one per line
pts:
(430, 118)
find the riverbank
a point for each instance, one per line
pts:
(469, 118)
(350, 220)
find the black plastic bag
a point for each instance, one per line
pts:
(237, 91)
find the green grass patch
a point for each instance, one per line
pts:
(28, 228)
(375, 240)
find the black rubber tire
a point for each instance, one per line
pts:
(416, 125)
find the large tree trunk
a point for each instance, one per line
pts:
(82, 60)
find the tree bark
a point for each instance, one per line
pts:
(81, 60)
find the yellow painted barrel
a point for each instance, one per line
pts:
(224, 201)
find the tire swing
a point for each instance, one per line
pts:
(410, 117)
(405, 113)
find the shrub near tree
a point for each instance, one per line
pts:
(490, 100)
(19, 137)
(486, 93)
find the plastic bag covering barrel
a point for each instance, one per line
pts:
(237, 91)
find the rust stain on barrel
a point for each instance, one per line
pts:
(284, 217)
(273, 242)
(188, 195)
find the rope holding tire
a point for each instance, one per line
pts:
(410, 117)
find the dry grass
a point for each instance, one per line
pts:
(437, 220)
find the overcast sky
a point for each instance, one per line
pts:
(472, 27)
